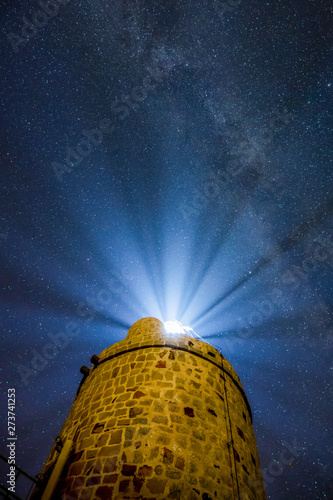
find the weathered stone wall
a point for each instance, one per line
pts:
(161, 416)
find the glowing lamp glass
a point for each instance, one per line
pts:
(175, 327)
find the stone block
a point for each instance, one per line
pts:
(128, 470)
(207, 484)
(154, 453)
(163, 353)
(110, 478)
(124, 369)
(124, 486)
(173, 406)
(184, 397)
(74, 493)
(98, 428)
(180, 463)
(116, 437)
(104, 492)
(140, 420)
(76, 468)
(124, 397)
(138, 457)
(143, 431)
(86, 494)
(175, 491)
(193, 467)
(177, 418)
(130, 384)
(131, 403)
(199, 434)
(159, 406)
(84, 434)
(120, 412)
(119, 390)
(158, 470)
(101, 440)
(189, 412)
(163, 439)
(210, 471)
(110, 465)
(93, 481)
(129, 432)
(145, 402)
(156, 485)
(155, 393)
(167, 456)
(107, 451)
(160, 419)
(182, 429)
(91, 453)
(78, 482)
(195, 385)
(110, 423)
(87, 443)
(133, 412)
(139, 394)
(145, 471)
(124, 421)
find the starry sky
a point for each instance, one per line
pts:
(170, 159)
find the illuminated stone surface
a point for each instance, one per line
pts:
(160, 416)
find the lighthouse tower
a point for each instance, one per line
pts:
(158, 416)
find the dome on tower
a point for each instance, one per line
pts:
(145, 326)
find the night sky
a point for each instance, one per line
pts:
(170, 159)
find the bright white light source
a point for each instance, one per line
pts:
(177, 328)
(173, 327)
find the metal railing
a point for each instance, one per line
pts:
(5, 493)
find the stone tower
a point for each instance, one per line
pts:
(158, 416)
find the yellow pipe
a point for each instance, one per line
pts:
(52, 483)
